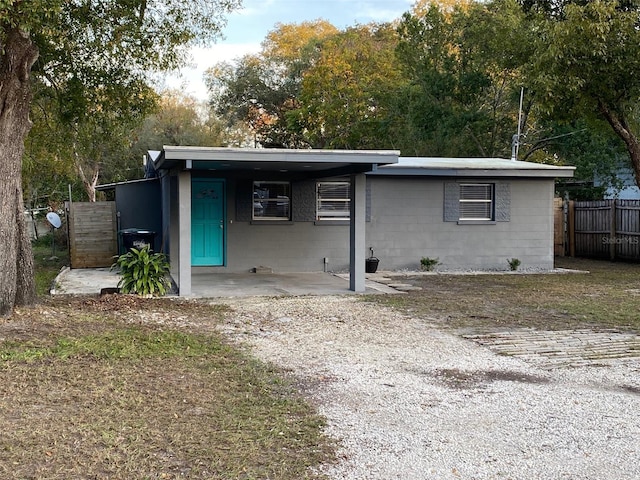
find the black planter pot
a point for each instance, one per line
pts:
(371, 265)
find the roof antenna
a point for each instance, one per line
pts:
(515, 140)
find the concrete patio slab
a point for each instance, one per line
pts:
(84, 281)
(90, 281)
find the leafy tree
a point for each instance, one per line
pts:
(87, 129)
(47, 168)
(179, 120)
(467, 67)
(90, 47)
(260, 90)
(348, 94)
(464, 65)
(587, 57)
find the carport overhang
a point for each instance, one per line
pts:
(182, 161)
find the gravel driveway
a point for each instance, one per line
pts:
(410, 401)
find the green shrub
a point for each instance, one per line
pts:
(143, 272)
(514, 263)
(428, 264)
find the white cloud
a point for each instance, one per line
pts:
(365, 11)
(222, 52)
(381, 15)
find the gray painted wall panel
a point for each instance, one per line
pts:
(406, 223)
(297, 247)
(303, 198)
(528, 235)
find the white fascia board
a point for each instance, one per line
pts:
(448, 172)
(280, 155)
(465, 167)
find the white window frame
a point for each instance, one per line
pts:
(326, 205)
(271, 207)
(472, 196)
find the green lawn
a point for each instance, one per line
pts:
(48, 262)
(608, 296)
(90, 389)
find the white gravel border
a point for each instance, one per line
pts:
(410, 401)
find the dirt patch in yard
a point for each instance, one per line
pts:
(456, 378)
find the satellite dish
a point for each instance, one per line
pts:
(54, 220)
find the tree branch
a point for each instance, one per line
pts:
(545, 141)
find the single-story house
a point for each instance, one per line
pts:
(469, 213)
(234, 210)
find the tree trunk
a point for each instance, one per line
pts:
(89, 183)
(621, 127)
(17, 286)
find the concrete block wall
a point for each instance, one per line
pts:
(295, 247)
(407, 223)
(298, 246)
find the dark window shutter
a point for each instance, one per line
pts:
(244, 200)
(503, 201)
(303, 201)
(451, 201)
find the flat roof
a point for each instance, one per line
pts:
(276, 159)
(478, 167)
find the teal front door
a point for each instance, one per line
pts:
(207, 222)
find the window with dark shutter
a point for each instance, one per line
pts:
(333, 200)
(271, 201)
(477, 201)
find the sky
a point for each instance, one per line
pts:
(248, 26)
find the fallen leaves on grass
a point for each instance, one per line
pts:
(109, 387)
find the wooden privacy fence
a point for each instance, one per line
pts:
(559, 230)
(601, 229)
(92, 234)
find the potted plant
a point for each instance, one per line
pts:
(514, 264)
(371, 263)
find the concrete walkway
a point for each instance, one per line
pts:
(90, 281)
(84, 281)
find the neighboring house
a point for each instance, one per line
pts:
(627, 188)
(234, 210)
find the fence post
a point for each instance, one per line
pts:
(612, 232)
(559, 227)
(565, 225)
(572, 228)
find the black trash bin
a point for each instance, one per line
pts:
(135, 238)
